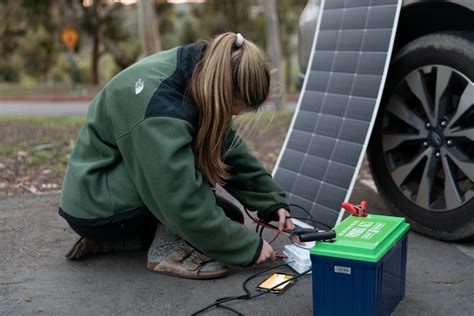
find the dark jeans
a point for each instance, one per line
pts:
(143, 224)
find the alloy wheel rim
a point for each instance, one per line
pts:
(428, 137)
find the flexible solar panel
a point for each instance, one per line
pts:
(324, 148)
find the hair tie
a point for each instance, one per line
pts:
(240, 40)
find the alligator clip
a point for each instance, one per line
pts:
(356, 210)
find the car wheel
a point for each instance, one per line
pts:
(421, 151)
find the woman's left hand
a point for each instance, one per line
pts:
(286, 224)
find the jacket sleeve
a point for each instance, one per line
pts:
(250, 182)
(158, 153)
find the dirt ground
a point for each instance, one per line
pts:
(34, 151)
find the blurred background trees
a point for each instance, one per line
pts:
(31, 51)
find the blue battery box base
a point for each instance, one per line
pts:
(363, 270)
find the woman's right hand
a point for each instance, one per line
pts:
(267, 253)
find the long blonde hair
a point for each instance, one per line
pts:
(225, 76)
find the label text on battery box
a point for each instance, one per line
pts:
(362, 230)
(340, 269)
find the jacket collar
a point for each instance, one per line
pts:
(188, 57)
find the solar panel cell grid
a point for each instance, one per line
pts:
(323, 149)
(335, 104)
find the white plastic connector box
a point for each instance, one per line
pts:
(298, 258)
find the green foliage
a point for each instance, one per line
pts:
(166, 24)
(39, 51)
(221, 16)
(12, 28)
(6, 150)
(41, 13)
(59, 72)
(38, 158)
(189, 34)
(31, 48)
(30, 87)
(119, 40)
(9, 73)
(248, 18)
(289, 12)
(104, 22)
(41, 121)
(29, 30)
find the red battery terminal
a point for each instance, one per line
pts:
(356, 210)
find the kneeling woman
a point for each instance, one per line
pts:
(157, 140)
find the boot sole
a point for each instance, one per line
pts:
(192, 277)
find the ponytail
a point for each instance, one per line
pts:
(227, 74)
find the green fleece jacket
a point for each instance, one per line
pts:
(135, 151)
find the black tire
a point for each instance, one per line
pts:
(452, 49)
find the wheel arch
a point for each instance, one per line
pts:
(421, 17)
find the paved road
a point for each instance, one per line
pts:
(35, 277)
(43, 108)
(56, 108)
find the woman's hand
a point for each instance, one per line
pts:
(286, 224)
(267, 253)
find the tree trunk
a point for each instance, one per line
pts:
(95, 59)
(148, 28)
(96, 10)
(289, 73)
(274, 49)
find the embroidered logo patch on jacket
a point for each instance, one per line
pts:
(139, 85)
